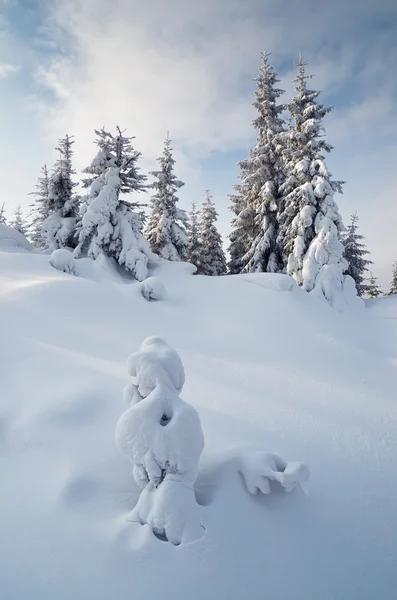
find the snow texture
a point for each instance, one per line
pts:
(272, 281)
(153, 289)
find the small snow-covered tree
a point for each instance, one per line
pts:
(211, 260)
(393, 283)
(193, 249)
(310, 223)
(39, 209)
(253, 239)
(58, 227)
(109, 225)
(355, 252)
(166, 227)
(373, 289)
(18, 222)
(3, 214)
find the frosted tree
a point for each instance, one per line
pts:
(253, 239)
(18, 222)
(58, 227)
(193, 249)
(355, 252)
(3, 214)
(166, 227)
(373, 289)
(243, 225)
(39, 209)
(109, 223)
(211, 260)
(393, 283)
(310, 223)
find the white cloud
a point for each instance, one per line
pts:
(7, 69)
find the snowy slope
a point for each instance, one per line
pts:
(276, 369)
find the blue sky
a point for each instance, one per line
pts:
(73, 65)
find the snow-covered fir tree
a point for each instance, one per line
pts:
(393, 283)
(373, 289)
(309, 220)
(166, 227)
(3, 214)
(39, 209)
(243, 224)
(253, 241)
(109, 225)
(355, 252)
(59, 226)
(211, 260)
(193, 249)
(18, 222)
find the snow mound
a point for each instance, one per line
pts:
(259, 468)
(153, 289)
(12, 240)
(168, 270)
(272, 281)
(63, 260)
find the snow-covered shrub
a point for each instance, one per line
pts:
(162, 437)
(63, 260)
(153, 289)
(258, 468)
(57, 231)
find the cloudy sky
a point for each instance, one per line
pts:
(69, 66)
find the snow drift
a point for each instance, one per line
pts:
(278, 371)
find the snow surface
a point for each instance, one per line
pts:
(281, 372)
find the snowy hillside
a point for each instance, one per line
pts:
(266, 366)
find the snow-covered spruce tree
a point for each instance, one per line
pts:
(211, 260)
(39, 209)
(193, 249)
(18, 222)
(166, 227)
(310, 223)
(3, 214)
(373, 289)
(243, 225)
(393, 283)
(355, 252)
(253, 239)
(58, 227)
(109, 225)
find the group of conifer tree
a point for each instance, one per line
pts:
(285, 219)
